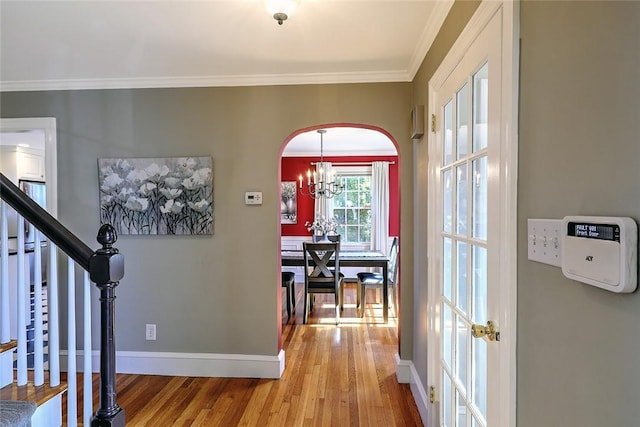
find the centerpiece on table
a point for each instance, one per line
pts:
(322, 227)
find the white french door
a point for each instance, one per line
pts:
(471, 356)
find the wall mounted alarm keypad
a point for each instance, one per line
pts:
(601, 251)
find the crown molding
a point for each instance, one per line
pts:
(440, 11)
(206, 81)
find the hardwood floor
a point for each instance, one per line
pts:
(334, 376)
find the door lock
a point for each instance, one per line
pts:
(479, 331)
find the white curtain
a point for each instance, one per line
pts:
(380, 206)
(323, 206)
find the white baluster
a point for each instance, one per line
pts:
(54, 316)
(88, 384)
(5, 332)
(22, 307)
(72, 391)
(38, 335)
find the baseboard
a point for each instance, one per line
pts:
(406, 374)
(189, 364)
(403, 370)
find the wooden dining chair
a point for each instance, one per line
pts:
(370, 280)
(320, 278)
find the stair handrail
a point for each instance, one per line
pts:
(105, 267)
(68, 242)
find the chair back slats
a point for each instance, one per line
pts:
(317, 257)
(323, 272)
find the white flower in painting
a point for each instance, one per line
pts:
(137, 177)
(171, 206)
(185, 166)
(111, 181)
(124, 193)
(172, 182)
(106, 170)
(124, 165)
(155, 172)
(199, 179)
(147, 188)
(137, 204)
(106, 200)
(203, 175)
(170, 193)
(187, 163)
(190, 183)
(200, 206)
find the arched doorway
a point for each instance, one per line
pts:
(351, 148)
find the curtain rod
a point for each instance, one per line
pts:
(351, 163)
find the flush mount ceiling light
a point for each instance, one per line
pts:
(281, 10)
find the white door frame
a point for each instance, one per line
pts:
(48, 126)
(508, 196)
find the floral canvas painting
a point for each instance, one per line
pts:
(157, 195)
(289, 203)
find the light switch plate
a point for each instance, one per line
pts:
(253, 198)
(544, 240)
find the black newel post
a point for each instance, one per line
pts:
(106, 268)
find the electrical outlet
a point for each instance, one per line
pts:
(151, 332)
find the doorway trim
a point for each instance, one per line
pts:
(48, 126)
(508, 209)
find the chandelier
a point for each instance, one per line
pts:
(321, 183)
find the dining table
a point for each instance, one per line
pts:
(351, 258)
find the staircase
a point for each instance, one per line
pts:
(32, 356)
(39, 405)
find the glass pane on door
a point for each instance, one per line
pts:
(447, 120)
(481, 108)
(465, 215)
(462, 123)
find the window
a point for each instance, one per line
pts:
(352, 208)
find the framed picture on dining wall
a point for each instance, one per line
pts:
(157, 195)
(288, 203)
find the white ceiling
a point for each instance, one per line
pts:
(88, 44)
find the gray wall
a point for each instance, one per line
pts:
(206, 294)
(578, 346)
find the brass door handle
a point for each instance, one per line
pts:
(479, 331)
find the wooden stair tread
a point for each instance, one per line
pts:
(31, 393)
(8, 346)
